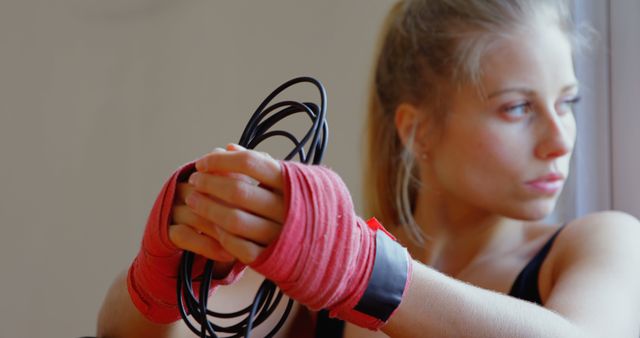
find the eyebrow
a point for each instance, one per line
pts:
(526, 91)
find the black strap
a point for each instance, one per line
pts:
(388, 279)
(525, 286)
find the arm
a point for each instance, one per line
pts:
(119, 318)
(441, 306)
(150, 280)
(595, 292)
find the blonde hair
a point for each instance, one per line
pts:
(426, 48)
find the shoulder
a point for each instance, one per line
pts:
(608, 236)
(601, 233)
(595, 272)
(611, 219)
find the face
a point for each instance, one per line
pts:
(507, 150)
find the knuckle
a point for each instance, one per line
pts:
(266, 155)
(210, 251)
(205, 225)
(203, 209)
(248, 256)
(209, 212)
(202, 181)
(211, 183)
(249, 159)
(177, 235)
(275, 165)
(233, 221)
(224, 239)
(245, 158)
(238, 193)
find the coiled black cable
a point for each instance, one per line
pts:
(268, 296)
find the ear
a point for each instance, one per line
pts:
(408, 117)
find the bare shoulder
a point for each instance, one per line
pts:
(596, 272)
(608, 236)
(601, 233)
(613, 219)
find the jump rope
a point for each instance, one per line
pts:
(268, 296)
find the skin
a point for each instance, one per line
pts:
(475, 206)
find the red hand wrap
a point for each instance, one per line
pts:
(151, 279)
(325, 255)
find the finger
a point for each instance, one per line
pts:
(243, 250)
(249, 197)
(233, 146)
(182, 191)
(239, 177)
(247, 162)
(235, 221)
(186, 238)
(184, 215)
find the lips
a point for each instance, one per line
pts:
(548, 184)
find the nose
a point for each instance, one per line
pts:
(557, 135)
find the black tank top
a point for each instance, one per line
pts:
(525, 287)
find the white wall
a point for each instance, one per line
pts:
(606, 160)
(625, 111)
(101, 100)
(591, 175)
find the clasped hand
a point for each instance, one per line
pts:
(231, 208)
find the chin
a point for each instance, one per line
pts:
(533, 211)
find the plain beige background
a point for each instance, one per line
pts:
(101, 100)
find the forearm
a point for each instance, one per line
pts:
(439, 306)
(119, 318)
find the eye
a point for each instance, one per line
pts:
(517, 110)
(567, 105)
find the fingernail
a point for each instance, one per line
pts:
(193, 179)
(232, 146)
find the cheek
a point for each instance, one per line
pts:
(483, 164)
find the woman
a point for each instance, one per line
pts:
(471, 130)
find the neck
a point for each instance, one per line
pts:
(458, 234)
